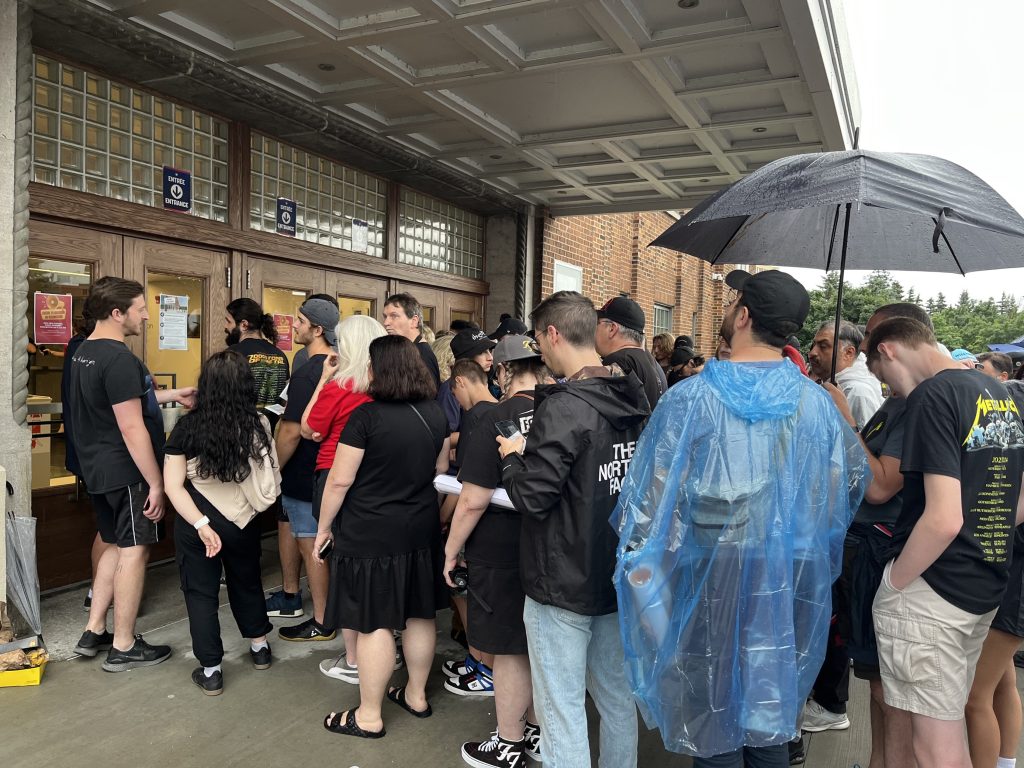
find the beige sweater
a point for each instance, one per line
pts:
(241, 502)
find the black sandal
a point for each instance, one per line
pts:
(333, 724)
(397, 695)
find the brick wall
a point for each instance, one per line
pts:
(612, 251)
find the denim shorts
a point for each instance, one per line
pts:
(300, 517)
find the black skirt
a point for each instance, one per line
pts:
(371, 593)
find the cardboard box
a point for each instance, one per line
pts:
(32, 676)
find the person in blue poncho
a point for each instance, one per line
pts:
(731, 523)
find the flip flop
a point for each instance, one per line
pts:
(397, 695)
(349, 728)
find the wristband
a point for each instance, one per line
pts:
(204, 520)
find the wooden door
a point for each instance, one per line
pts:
(183, 286)
(463, 306)
(357, 294)
(432, 302)
(280, 288)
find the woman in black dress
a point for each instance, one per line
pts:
(386, 560)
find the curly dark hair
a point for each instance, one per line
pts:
(399, 373)
(224, 430)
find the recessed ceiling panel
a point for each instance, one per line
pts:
(561, 100)
(546, 30)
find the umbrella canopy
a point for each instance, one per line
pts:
(1006, 349)
(907, 212)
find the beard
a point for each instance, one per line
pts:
(233, 336)
(728, 328)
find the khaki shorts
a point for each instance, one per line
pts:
(927, 649)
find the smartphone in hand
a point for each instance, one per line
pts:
(508, 429)
(325, 549)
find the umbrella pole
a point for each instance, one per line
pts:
(839, 295)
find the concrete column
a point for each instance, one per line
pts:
(500, 268)
(15, 117)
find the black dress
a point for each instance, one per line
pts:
(387, 559)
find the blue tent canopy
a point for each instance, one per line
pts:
(1007, 349)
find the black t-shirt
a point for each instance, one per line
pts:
(642, 363)
(474, 418)
(104, 373)
(391, 508)
(883, 435)
(495, 539)
(964, 424)
(297, 474)
(269, 366)
(175, 447)
(431, 361)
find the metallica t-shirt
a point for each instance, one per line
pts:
(495, 539)
(964, 424)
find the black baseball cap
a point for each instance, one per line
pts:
(682, 355)
(509, 326)
(775, 299)
(623, 311)
(470, 342)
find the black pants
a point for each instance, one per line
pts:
(200, 582)
(832, 686)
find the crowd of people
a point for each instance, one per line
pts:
(712, 541)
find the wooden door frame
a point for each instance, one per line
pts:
(259, 271)
(372, 289)
(67, 242)
(216, 292)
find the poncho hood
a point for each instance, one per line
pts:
(755, 391)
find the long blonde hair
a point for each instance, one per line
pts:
(354, 336)
(442, 349)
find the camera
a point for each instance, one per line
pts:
(460, 578)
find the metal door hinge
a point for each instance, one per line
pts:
(227, 276)
(248, 279)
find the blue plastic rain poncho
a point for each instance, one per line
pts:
(731, 522)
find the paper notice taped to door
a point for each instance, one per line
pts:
(173, 320)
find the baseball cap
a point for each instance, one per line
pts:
(515, 347)
(963, 355)
(623, 311)
(470, 342)
(682, 355)
(324, 314)
(775, 299)
(509, 325)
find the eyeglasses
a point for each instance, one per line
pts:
(979, 366)
(729, 297)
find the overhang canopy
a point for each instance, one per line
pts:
(583, 106)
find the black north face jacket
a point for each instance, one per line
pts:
(566, 486)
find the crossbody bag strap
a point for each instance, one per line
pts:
(422, 421)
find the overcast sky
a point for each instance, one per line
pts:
(943, 78)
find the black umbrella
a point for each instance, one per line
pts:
(902, 212)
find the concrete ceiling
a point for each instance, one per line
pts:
(580, 105)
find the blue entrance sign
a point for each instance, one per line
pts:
(177, 189)
(285, 216)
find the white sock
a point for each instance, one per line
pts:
(90, 593)
(210, 671)
(258, 646)
(1006, 762)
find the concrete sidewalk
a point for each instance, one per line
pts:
(155, 717)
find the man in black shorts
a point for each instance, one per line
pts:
(490, 534)
(119, 439)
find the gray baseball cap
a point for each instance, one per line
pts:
(324, 314)
(515, 347)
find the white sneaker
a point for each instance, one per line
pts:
(817, 719)
(340, 669)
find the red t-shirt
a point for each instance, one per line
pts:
(330, 415)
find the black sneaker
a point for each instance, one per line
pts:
(141, 654)
(91, 643)
(307, 631)
(496, 752)
(531, 734)
(796, 751)
(261, 659)
(212, 685)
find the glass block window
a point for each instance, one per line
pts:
(662, 320)
(328, 196)
(438, 235)
(99, 136)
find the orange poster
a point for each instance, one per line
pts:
(52, 318)
(283, 324)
